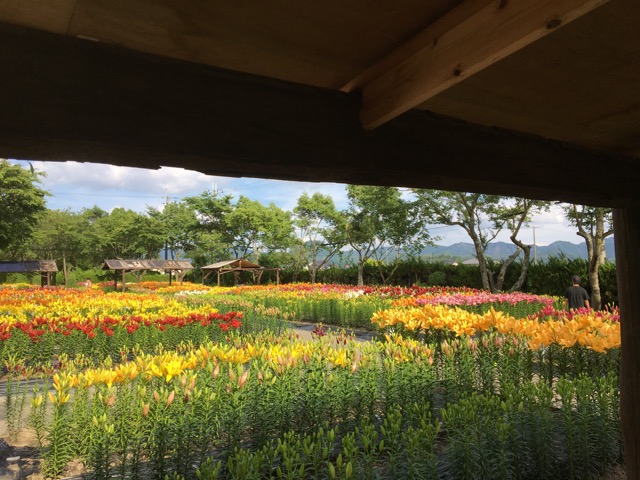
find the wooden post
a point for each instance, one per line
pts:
(115, 280)
(627, 232)
(124, 282)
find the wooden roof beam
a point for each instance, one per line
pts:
(464, 41)
(73, 99)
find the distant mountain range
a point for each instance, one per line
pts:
(502, 250)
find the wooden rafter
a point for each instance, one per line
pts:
(93, 102)
(466, 40)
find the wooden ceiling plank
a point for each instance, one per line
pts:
(46, 15)
(468, 39)
(69, 99)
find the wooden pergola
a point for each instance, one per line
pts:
(530, 98)
(236, 267)
(124, 266)
(44, 267)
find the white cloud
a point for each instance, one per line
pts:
(99, 177)
(81, 185)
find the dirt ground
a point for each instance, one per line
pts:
(28, 463)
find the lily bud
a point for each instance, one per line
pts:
(243, 379)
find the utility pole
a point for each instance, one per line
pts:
(535, 256)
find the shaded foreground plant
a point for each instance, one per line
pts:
(483, 436)
(334, 408)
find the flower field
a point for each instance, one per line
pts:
(209, 383)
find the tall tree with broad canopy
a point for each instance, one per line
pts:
(177, 224)
(594, 224)
(125, 234)
(379, 222)
(517, 213)
(211, 209)
(89, 221)
(476, 213)
(483, 216)
(59, 236)
(320, 230)
(22, 202)
(253, 228)
(211, 239)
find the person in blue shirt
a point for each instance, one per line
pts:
(576, 296)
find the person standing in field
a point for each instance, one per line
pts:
(576, 296)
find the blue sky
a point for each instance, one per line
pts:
(75, 185)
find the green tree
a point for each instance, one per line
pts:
(477, 214)
(211, 209)
(212, 240)
(517, 213)
(89, 218)
(320, 228)
(59, 235)
(177, 224)
(379, 223)
(22, 202)
(483, 217)
(594, 224)
(125, 234)
(252, 228)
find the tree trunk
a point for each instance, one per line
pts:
(503, 270)
(596, 254)
(312, 274)
(360, 274)
(64, 270)
(594, 246)
(594, 282)
(139, 274)
(599, 256)
(525, 269)
(485, 274)
(487, 282)
(382, 266)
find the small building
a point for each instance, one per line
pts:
(124, 266)
(236, 267)
(471, 261)
(44, 267)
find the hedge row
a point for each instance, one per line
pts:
(551, 277)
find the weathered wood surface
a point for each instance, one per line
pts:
(627, 233)
(86, 101)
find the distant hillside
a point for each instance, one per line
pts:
(459, 252)
(502, 250)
